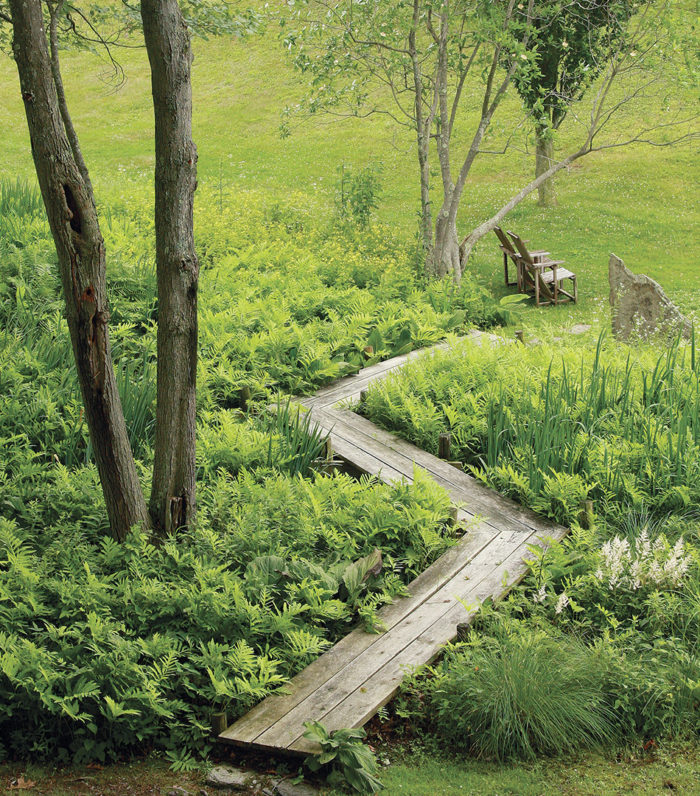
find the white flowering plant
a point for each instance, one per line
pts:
(619, 583)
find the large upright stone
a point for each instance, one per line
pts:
(640, 308)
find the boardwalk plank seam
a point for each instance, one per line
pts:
(346, 685)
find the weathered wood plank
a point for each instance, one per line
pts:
(386, 646)
(349, 387)
(479, 498)
(247, 728)
(397, 455)
(382, 683)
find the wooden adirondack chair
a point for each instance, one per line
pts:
(543, 276)
(510, 253)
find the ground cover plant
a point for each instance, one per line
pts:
(618, 426)
(105, 648)
(615, 604)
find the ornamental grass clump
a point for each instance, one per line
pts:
(517, 695)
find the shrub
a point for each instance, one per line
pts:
(358, 192)
(518, 694)
(105, 648)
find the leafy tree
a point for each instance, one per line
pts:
(571, 44)
(422, 62)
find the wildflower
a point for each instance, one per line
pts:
(562, 602)
(540, 596)
(677, 564)
(565, 44)
(648, 563)
(523, 56)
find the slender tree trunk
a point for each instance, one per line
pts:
(445, 253)
(70, 208)
(426, 216)
(544, 159)
(172, 503)
(423, 127)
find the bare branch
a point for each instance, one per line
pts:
(460, 85)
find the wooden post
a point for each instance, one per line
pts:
(219, 722)
(454, 515)
(463, 629)
(444, 445)
(586, 517)
(520, 336)
(244, 396)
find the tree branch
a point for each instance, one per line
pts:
(54, 11)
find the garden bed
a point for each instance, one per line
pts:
(617, 604)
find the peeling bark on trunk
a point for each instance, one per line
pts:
(70, 208)
(172, 502)
(544, 158)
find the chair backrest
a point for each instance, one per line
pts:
(506, 245)
(522, 248)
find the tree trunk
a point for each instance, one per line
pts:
(172, 503)
(445, 257)
(544, 159)
(426, 219)
(70, 208)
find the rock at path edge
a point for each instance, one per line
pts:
(230, 777)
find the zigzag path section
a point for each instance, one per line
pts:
(350, 682)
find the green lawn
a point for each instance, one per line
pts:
(589, 775)
(423, 775)
(638, 202)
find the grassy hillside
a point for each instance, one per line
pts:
(637, 202)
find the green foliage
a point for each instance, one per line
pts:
(19, 198)
(107, 647)
(620, 427)
(570, 45)
(299, 442)
(352, 763)
(636, 599)
(284, 305)
(519, 693)
(358, 193)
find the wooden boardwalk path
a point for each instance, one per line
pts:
(348, 684)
